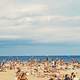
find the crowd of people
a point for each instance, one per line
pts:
(66, 77)
(51, 70)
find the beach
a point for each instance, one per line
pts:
(10, 75)
(33, 69)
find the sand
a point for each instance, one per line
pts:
(10, 75)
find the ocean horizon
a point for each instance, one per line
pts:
(39, 58)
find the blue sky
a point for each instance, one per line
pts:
(39, 27)
(28, 48)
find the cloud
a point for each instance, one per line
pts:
(39, 29)
(33, 22)
(66, 21)
(64, 7)
(7, 8)
(8, 37)
(31, 10)
(49, 34)
(33, 1)
(57, 34)
(62, 18)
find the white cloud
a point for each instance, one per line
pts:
(57, 34)
(63, 18)
(9, 37)
(64, 7)
(66, 21)
(7, 8)
(32, 22)
(42, 33)
(31, 8)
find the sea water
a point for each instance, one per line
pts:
(39, 58)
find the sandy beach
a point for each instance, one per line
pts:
(10, 75)
(35, 70)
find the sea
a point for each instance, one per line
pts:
(38, 58)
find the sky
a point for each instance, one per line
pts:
(39, 27)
